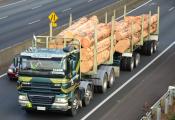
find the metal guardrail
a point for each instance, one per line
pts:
(161, 106)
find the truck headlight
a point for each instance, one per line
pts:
(61, 100)
(26, 84)
(23, 98)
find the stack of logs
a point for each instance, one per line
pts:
(124, 31)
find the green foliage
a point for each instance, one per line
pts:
(173, 118)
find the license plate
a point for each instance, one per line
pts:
(41, 108)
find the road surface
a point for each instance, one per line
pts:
(20, 20)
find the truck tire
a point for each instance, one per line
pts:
(123, 63)
(136, 59)
(130, 63)
(144, 48)
(111, 78)
(150, 48)
(74, 105)
(154, 46)
(88, 96)
(103, 88)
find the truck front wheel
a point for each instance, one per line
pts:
(74, 105)
(88, 96)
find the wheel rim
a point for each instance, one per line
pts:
(75, 104)
(155, 47)
(132, 64)
(105, 83)
(137, 60)
(111, 78)
(151, 49)
(88, 95)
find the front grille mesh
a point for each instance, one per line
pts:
(41, 99)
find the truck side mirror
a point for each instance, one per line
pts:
(15, 61)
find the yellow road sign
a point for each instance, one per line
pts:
(54, 24)
(53, 17)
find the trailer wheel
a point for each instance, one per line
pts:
(145, 48)
(103, 88)
(150, 48)
(88, 96)
(74, 105)
(111, 78)
(123, 63)
(130, 63)
(136, 59)
(154, 46)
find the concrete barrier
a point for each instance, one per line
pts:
(6, 55)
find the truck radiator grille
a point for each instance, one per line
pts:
(41, 99)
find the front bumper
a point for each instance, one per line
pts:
(55, 106)
(52, 107)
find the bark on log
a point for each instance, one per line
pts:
(88, 53)
(87, 65)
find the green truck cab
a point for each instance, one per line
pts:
(49, 79)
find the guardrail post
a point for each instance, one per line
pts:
(166, 106)
(171, 97)
(148, 116)
(158, 116)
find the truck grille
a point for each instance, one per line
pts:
(42, 86)
(41, 99)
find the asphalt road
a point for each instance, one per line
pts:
(19, 21)
(148, 86)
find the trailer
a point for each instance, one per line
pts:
(50, 79)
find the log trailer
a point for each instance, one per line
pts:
(50, 79)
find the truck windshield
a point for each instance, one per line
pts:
(52, 65)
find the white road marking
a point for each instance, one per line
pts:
(67, 9)
(127, 82)
(135, 9)
(90, 0)
(171, 9)
(3, 17)
(152, 4)
(12, 4)
(33, 22)
(1, 76)
(36, 7)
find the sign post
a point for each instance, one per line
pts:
(53, 19)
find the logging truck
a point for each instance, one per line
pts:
(51, 79)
